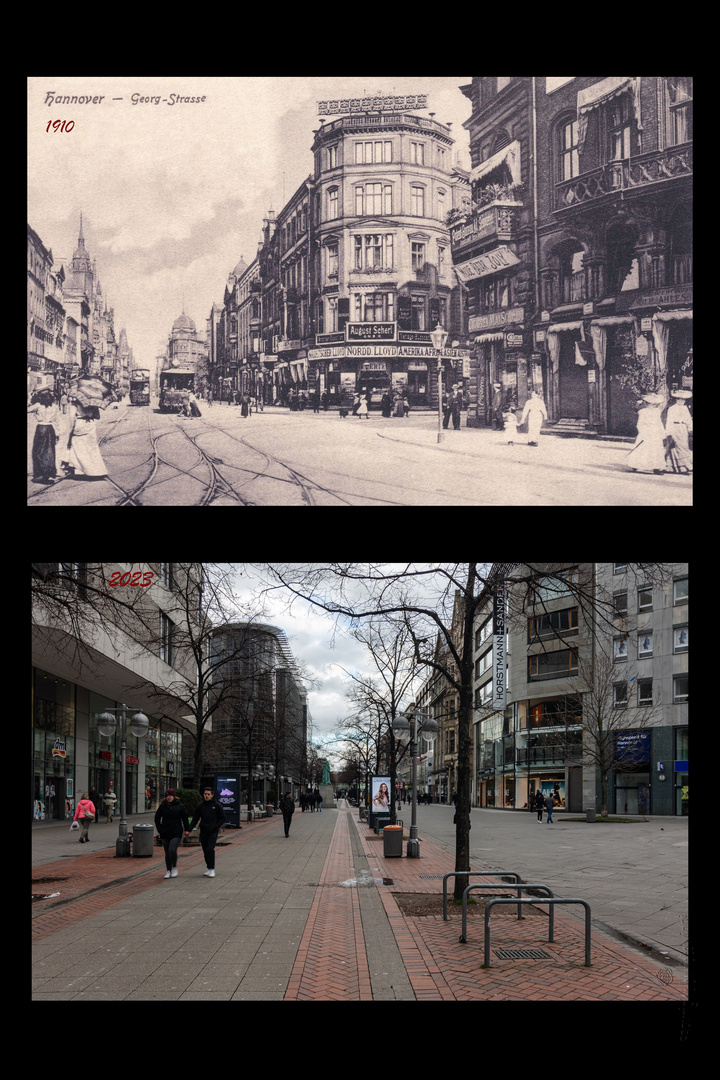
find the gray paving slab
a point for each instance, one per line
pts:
(233, 937)
(634, 875)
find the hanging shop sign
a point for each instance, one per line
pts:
(497, 319)
(499, 655)
(372, 104)
(493, 262)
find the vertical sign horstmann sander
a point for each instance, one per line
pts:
(499, 656)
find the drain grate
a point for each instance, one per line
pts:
(432, 877)
(522, 954)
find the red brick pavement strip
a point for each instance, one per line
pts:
(441, 968)
(95, 882)
(331, 962)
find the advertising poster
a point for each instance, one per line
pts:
(380, 794)
(227, 793)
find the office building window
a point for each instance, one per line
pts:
(417, 200)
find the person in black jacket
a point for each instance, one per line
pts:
(287, 806)
(539, 804)
(211, 816)
(170, 819)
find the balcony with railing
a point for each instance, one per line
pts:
(492, 223)
(657, 167)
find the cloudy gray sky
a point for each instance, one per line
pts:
(173, 195)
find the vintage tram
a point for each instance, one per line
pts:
(140, 387)
(174, 384)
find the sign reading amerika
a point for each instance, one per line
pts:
(499, 656)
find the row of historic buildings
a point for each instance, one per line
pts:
(576, 251)
(91, 654)
(597, 660)
(561, 262)
(70, 327)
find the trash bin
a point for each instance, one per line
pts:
(142, 840)
(590, 814)
(381, 820)
(392, 840)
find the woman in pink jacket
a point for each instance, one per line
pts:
(84, 813)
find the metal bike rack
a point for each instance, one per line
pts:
(544, 900)
(473, 873)
(520, 888)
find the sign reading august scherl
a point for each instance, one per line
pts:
(499, 656)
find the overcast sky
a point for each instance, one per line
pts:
(173, 195)
(318, 648)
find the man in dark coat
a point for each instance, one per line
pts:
(287, 807)
(211, 816)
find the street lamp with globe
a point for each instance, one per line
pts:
(107, 725)
(428, 729)
(439, 337)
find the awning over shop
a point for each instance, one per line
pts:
(509, 155)
(661, 333)
(599, 94)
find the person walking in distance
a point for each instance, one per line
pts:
(110, 798)
(170, 820)
(549, 804)
(539, 804)
(84, 813)
(287, 807)
(211, 816)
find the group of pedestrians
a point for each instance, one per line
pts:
(65, 443)
(171, 820)
(311, 801)
(663, 437)
(546, 802)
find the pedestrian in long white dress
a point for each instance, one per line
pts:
(534, 412)
(648, 453)
(83, 454)
(679, 425)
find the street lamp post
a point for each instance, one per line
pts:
(438, 338)
(428, 729)
(107, 725)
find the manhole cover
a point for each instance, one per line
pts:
(522, 954)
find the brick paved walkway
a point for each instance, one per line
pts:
(332, 965)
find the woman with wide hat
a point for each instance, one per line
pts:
(47, 415)
(648, 453)
(679, 425)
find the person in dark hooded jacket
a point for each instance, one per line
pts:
(170, 820)
(211, 816)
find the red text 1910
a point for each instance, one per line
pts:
(118, 578)
(60, 125)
